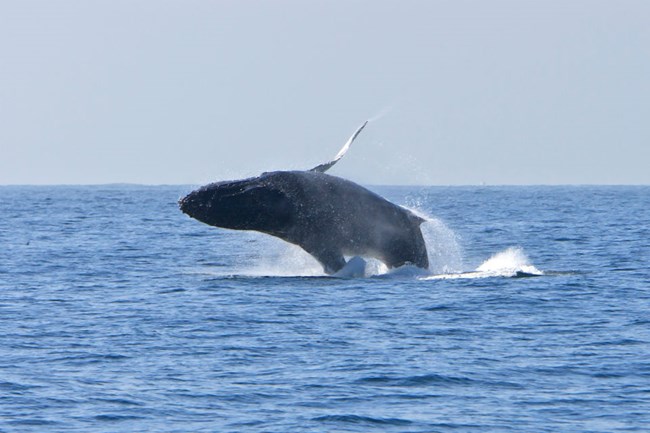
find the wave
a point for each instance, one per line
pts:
(358, 419)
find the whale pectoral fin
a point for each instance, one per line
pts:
(332, 261)
(326, 166)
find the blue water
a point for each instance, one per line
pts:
(118, 313)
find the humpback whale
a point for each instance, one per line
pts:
(327, 216)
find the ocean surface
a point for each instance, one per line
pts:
(119, 313)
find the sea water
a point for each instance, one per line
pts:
(119, 313)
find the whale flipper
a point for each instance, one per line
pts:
(326, 166)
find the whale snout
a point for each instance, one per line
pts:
(190, 204)
(183, 203)
(246, 204)
(202, 205)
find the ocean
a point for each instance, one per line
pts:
(119, 313)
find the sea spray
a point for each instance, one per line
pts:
(445, 253)
(278, 258)
(511, 262)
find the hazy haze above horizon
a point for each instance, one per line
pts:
(459, 92)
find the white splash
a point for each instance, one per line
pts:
(511, 262)
(354, 268)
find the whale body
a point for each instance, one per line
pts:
(327, 216)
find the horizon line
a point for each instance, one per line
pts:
(414, 185)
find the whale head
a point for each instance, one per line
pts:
(249, 204)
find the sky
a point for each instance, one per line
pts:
(459, 92)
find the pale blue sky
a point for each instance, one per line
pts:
(465, 92)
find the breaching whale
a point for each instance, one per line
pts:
(329, 217)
